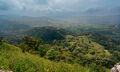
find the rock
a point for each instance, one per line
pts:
(116, 68)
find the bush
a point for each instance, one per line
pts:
(53, 54)
(42, 50)
(97, 68)
(24, 47)
(29, 44)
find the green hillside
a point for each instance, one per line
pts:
(83, 50)
(50, 49)
(12, 58)
(47, 33)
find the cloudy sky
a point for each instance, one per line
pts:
(47, 7)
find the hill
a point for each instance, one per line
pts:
(47, 33)
(11, 27)
(31, 21)
(94, 19)
(83, 50)
(58, 21)
(12, 58)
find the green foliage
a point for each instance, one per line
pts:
(24, 47)
(116, 56)
(83, 50)
(47, 34)
(92, 46)
(12, 58)
(42, 50)
(1, 40)
(79, 49)
(97, 68)
(29, 44)
(53, 54)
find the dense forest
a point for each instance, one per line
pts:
(68, 48)
(59, 35)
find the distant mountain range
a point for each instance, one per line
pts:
(48, 21)
(108, 19)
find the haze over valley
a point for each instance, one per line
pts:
(59, 35)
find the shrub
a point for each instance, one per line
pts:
(53, 54)
(97, 68)
(29, 44)
(42, 50)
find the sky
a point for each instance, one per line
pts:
(59, 7)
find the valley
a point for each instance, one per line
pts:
(46, 48)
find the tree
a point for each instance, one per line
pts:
(24, 47)
(30, 44)
(53, 55)
(42, 49)
(1, 40)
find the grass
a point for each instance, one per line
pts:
(12, 58)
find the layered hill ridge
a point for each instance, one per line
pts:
(78, 46)
(47, 33)
(86, 42)
(63, 47)
(84, 49)
(12, 58)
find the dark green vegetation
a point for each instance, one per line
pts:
(47, 33)
(12, 58)
(72, 48)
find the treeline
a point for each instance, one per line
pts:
(80, 50)
(73, 50)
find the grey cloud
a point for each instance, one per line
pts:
(4, 6)
(56, 6)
